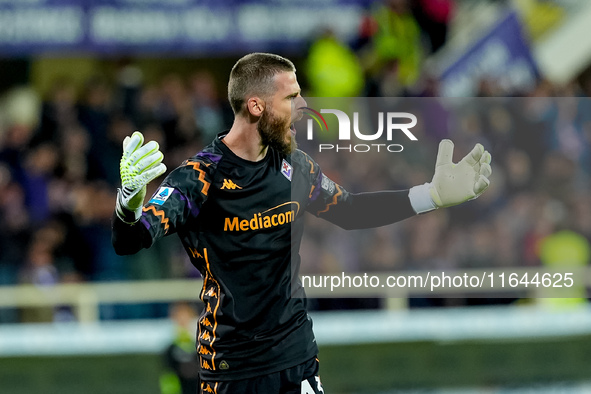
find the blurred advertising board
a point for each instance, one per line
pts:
(170, 26)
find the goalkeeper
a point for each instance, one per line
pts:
(238, 207)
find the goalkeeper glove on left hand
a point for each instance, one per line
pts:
(138, 167)
(453, 183)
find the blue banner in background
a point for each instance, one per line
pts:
(503, 56)
(170, 26)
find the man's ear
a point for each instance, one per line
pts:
(255, 106)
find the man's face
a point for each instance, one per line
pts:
(276, 123)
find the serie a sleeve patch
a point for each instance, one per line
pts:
(161, 195)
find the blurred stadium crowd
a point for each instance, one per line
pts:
(59, 174)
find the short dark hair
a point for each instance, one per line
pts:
(253, 75)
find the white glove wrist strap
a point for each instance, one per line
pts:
(126, 215)
(420, 198)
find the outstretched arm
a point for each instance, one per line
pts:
(452, 184)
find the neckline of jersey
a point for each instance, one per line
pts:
(234, 157)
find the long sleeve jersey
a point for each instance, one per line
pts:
(241, 223)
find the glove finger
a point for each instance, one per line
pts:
(148, 161)
(144, 151)
(481, 184)
(445, 153)
(154, 173)
(486, 157)
(474, 156)
(130, 144)
(485, 169)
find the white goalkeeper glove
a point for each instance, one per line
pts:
(453, 183)
(139, 166)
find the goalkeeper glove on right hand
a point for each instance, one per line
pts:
(453, 183)
(138, 167)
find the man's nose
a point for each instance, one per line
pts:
(300, 102)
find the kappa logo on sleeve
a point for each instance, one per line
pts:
(161, 195)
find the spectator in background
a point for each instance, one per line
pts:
(570, 251)
(74, 166)
(393, 56)
(207, 106)
(59, 111)
(332, 68)
(433, 16)
(38, 170)
(14, 145)
(96, 116)
(181, 359)
(176, 113)
(147, 107)
(96, 109)
(93, 220)
(129, 88)
(44, 267)
(14, 234)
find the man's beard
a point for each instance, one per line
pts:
(274, 133)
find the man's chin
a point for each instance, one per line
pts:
(277, 134)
